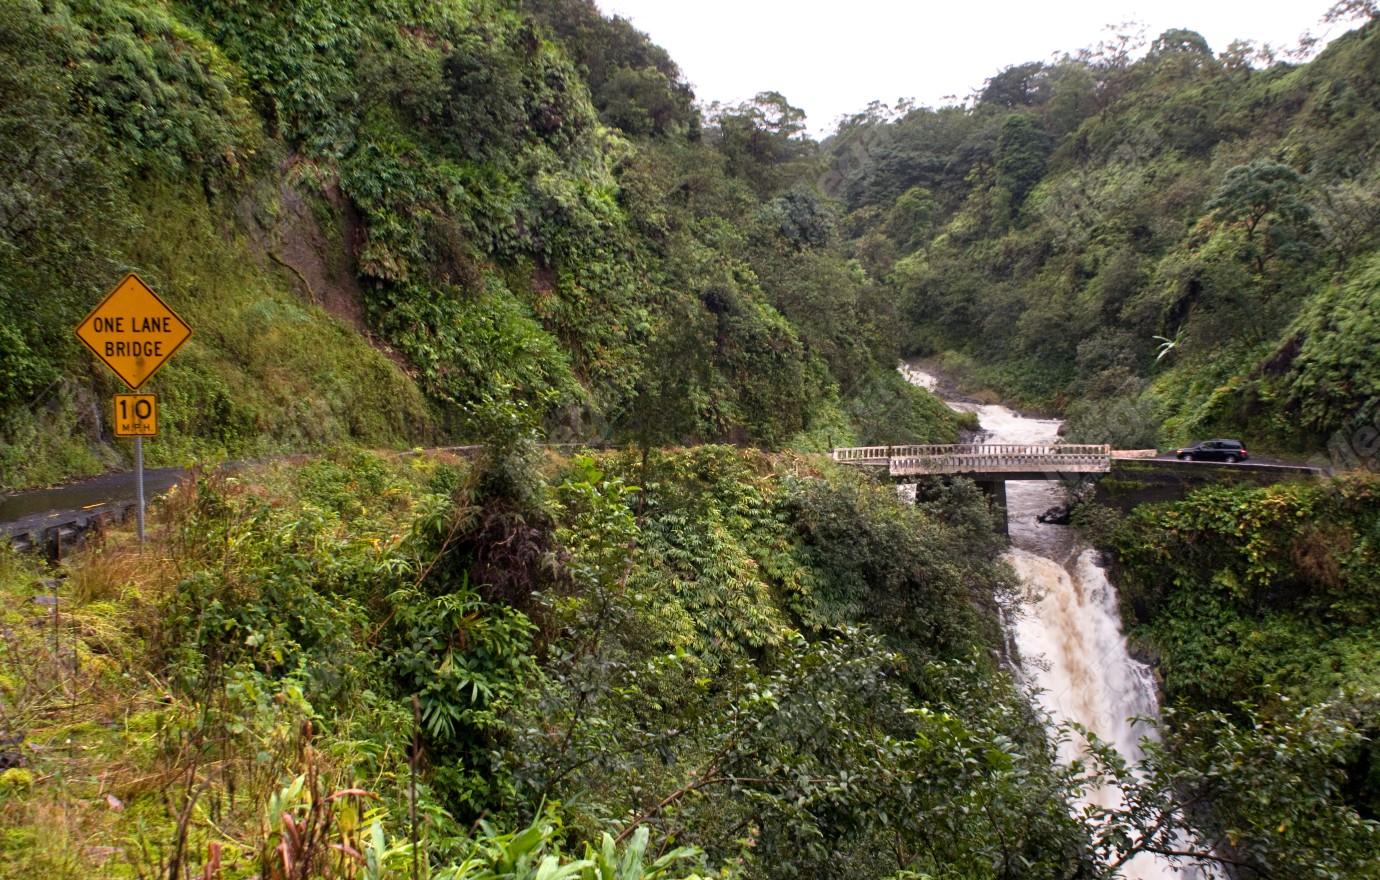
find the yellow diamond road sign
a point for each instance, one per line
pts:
(133, 331)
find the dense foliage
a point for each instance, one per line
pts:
(397, 222)
(1261, 605)
(383, 218)
(752, 655)
(743, 652)
(1172, 243)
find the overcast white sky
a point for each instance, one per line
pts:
(833, 58)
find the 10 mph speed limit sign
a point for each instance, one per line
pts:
(136, 415)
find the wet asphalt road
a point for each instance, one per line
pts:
(35, 510)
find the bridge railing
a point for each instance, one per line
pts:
(883, 453)
(958, 458)
(863, 454)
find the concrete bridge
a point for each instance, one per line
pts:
(991, 461)
(1137, 476)
(989, 465)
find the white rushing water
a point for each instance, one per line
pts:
(1068, 628)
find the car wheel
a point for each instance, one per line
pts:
(1231, 459)
(1182, 456)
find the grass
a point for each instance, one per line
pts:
(49, 444)
(108, 748)
(75, 695)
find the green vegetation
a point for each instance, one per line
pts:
(709, 662)
(1260, 606)
(743, 653)
(383, 218)
(1171, 247)
(412, 222)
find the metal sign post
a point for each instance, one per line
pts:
(139, 481)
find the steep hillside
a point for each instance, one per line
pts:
(404, 223)
(1260, 604)
(1173, 246)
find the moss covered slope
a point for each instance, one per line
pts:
(394, 223)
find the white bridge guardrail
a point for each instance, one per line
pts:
(981, 458)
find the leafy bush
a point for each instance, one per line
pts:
(889, 410)
(1259, 602)
(163, 92)
(465, 659)
(1327, 378)
(876, 560)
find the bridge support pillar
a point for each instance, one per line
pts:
(995, 490)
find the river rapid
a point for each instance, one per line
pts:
(1067, 628)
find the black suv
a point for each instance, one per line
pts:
(1230, 451)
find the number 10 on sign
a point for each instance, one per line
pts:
(136, 415)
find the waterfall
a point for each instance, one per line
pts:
(1068, 628)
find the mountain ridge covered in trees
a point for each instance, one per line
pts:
(1167, 244)
(417, 222)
